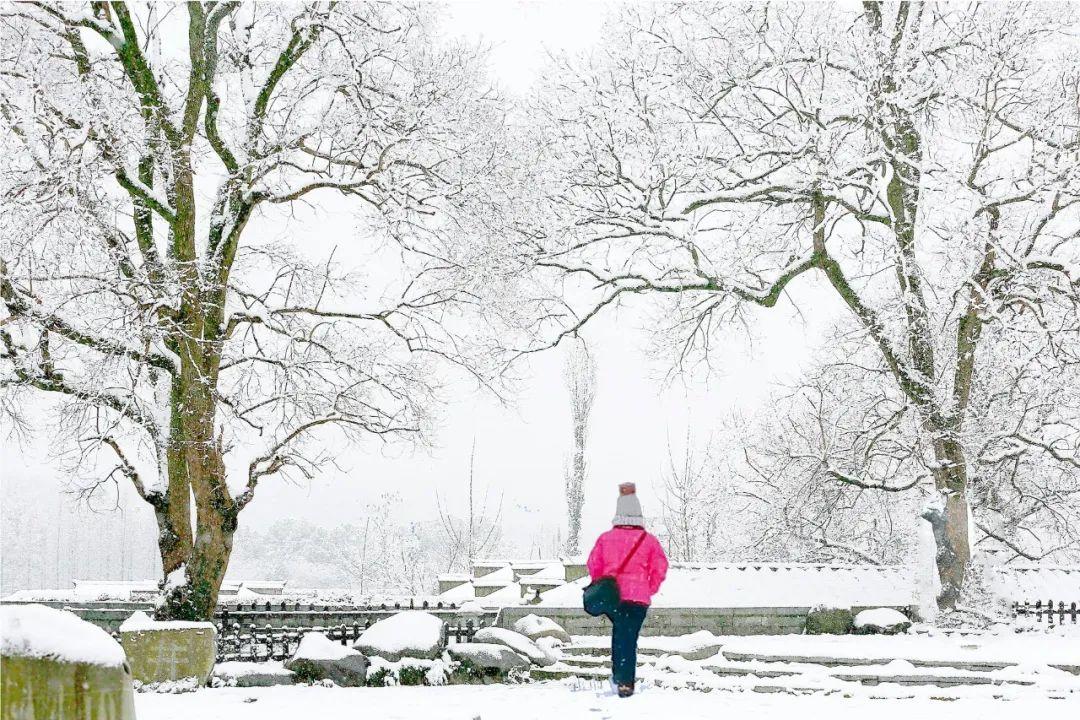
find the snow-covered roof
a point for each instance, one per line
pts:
(1020, 583)
(509, 595)
(461, 593)
(768, 585)
(549, 573)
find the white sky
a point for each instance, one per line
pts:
(521, 450)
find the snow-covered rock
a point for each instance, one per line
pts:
(881, 621)
(37, 631)
(236, 673)
(551, 645)
(406, 634)
(535, 627)
(320, 658)
(489, 656)
(516, 642)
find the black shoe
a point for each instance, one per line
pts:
(626, 689)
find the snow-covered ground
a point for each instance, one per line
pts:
(569, 700)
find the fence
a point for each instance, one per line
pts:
(1045, 612)
(255, 644)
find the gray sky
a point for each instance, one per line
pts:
(521, 449)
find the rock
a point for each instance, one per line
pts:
(535, 627)
(320, 658)
(407, 634)
(251, 674)
(516, 642)
(829, 621)
(489, 656)
(881, 621)
(162, 651)
(55, 665)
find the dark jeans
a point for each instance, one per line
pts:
(626, 623)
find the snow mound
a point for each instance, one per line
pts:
(471, 606)
(141, 622)
(881, 620)
(411, 633)
(316, 646)
(36, 631)
(535, 627)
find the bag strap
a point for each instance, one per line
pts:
(633, 550)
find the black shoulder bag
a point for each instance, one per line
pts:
(602, 597)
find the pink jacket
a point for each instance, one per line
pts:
(641, 577)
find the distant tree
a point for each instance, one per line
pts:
(694, 506)
(142, 148)
(579, 374)
(478, 532)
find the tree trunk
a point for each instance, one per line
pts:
(951, 524)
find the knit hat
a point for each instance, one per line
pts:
(627, 507)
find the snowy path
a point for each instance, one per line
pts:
(559, 701)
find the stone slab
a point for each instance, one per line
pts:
(44, 688)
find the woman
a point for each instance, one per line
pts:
(633, 556)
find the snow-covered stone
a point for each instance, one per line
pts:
(236, 673)
(56, 665)
(535, 627)
(406, 634)
(516, 642)
(165, 651)
(320, 658)
(881, 621)
(37, 631)
(551, 645)
(489, 656)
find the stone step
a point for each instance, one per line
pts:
(869, 679)
(828, 661)
(924, 680)
(601, 676)
(588, 650)
(743, 670)
(605, 661)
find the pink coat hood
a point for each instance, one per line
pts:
(641, 577)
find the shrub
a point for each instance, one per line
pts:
(829, 621)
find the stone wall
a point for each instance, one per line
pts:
(677, 621)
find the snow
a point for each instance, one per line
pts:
(1027, 583)
(582, 699)
(879, 617)
(402, 632)
(141, 622)
(766, 585)
(509, 595)
(1037, 648)
(239, 668)
(316, 646)
(37, 631)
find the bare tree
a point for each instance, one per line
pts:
(693, 505)
(919, 159)
(478, 532)
(139, 282)
(579, 374)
